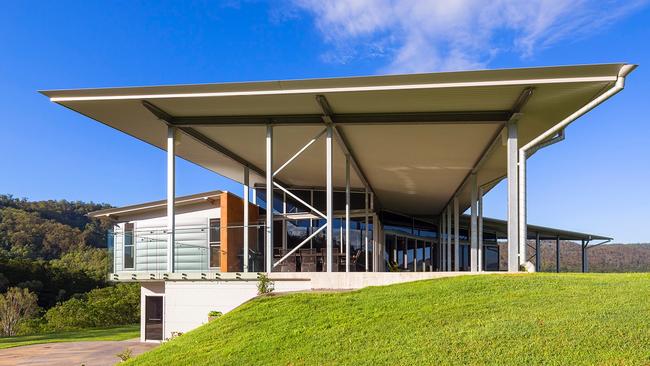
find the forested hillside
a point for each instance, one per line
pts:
(53, 266)
(602, 258)
(51, 248)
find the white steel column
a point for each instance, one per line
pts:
(328, 199)
(538, 254)
(480, 229)
(269, 198)
(443, 241)
(365, 229)
(585, 256)
(284, 222)
(521, 209)
(347, 213)
(473, 255)
(456, 235)
(513, 196)
(557, 254)
(449, 224)
(171, 196)
(255, 196)
(246, 223)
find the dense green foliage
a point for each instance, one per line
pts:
(104, 307)
(52, 248)
(105, 334)
(527, 319)
(52, 281)
(57, 252)
(47, 229)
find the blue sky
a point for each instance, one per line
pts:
(595, 181)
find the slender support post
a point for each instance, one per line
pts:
(523, 234)
(378, 248)
(538, 254)
(473, 255)
(347, 213)
(584, 252)
(557, 254)
(586, 260)
(171, 196)
(246, 223)
(513, 196)
(341, 233)
(255, 196)
(269, 198)
(480, 229)
(311, 221)
(284, 222)
(456, 235)
(441, 241)
(449, 224)
(405, 253)
(329, 203)
(365, 229)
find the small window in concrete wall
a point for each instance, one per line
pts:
(129, 247)
(215, 243)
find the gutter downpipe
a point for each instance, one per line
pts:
(558, 130)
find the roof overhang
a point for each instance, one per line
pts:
(116, 212)
(414, 138)
(500, 228)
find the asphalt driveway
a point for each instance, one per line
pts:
(93, 353)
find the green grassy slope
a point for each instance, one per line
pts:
(565, 319)
(106, 334)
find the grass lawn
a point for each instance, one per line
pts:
(107, 334)
(527, 319)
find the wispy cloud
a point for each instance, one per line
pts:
(420, 35)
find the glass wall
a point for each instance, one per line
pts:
(311, 255)
(406, 253)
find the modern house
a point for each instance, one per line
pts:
(369, 179)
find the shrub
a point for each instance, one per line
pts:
(215, 313)
(125, 355)
(264, 285)
(109, 306)
(16, 305)
(393, 267)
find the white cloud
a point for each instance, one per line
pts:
(420, 35)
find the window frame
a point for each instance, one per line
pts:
(129, 228)
(214, 222)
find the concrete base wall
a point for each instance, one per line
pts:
(186, 304)
(358, 280)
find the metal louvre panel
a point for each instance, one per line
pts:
(191, 247)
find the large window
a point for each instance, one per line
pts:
(215, 243)
(129, 247)
(491, 258)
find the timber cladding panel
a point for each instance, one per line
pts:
(232, 232)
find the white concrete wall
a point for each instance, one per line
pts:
(187, 303)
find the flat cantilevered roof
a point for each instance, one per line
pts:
(413, 138)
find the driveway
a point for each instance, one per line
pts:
(71, 353)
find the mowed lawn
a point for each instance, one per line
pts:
(107, 334)
(526, 319)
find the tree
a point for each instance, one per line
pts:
(16, 305)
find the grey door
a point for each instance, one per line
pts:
(153, 327)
